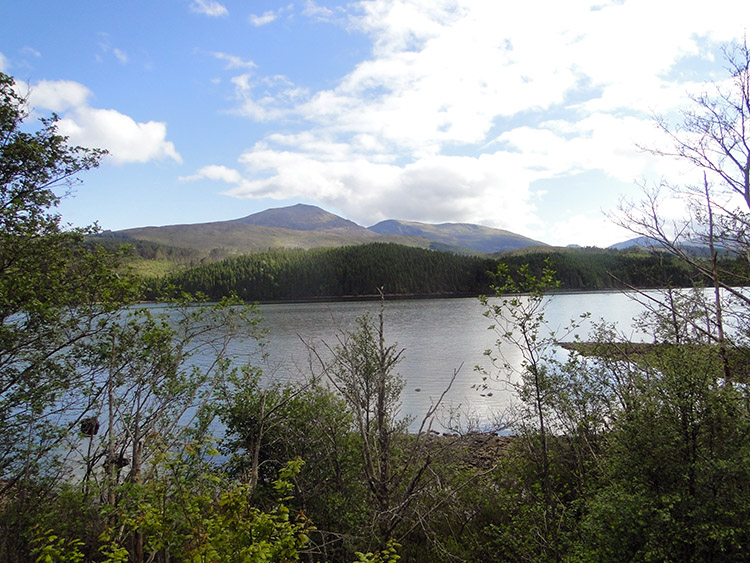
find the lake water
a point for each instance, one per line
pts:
(438, 336)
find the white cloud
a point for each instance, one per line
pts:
(263, 19)
(120, 55)
(125, 139)
(208, 8)
(3, 63)
(214, 172)
(597, 142)
(58, 95)
(106, 48)
(233, 61)
(265, 99)
(463, 104)
(260, 98)
(438, 188)
(30, 51)
(316, 12)
(584, 230)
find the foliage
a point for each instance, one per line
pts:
(72, 354)
(189, 512)
(672, 462)
(387, 555)
(268, 423)
(145, 385)
(362, 371)
(53, 291)
(50, 548)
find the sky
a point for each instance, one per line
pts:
(525, 116)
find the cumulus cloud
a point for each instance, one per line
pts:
(126, 139)
(58, 95)
(462, 106)
(3, 63)
(208, 8)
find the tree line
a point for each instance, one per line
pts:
(362, 270)
(334, 272)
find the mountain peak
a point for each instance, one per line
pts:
(300, 217)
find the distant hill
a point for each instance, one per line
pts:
(641, 242)
(694, 247)
(458, 235)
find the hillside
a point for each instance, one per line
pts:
(240, 238)
(306, 227)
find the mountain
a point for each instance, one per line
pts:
(306, 226)
(302, 217)
(458, 235)
(298, 226)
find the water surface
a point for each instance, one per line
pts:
(438, 337)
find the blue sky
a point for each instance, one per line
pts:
(517, 115)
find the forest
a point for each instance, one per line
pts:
(396, 270)
(350, 271)
(109, 442)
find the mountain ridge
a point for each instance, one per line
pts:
(309, 226)
(468, 235)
